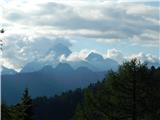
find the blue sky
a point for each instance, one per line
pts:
(125, 48)
(114, 29)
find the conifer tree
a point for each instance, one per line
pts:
(26, 106)
(5, 112)
(131, 93)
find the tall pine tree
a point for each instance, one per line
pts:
(26, 106)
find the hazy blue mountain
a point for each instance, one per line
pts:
(63, 67)
(7, 71)
(47, 82)
(100, 63)
(82, 63)
(32, 66)
(94, 57)
(93, 61)
(110, 64)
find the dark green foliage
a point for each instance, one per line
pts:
(131, 93)
(21, 111)
(26, 106)
(5, 112)
(58, 107)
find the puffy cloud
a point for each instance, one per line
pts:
(20, 50)
(115, 54)
(120, 57)
(75, 56)
(8, 64)
(145, 57)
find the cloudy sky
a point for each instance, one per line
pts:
(115, 29)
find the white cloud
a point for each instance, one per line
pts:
(7, 63)
(19, 50)
(140, 9)
(119, 56)
(145, 57)
(75, 56)
(115, 54)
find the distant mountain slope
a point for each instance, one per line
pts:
(48, 81)
(7, 71)
(32, 66)
(82, 63)
(94, 57)
(100, 63)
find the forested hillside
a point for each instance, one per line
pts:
(131, 93)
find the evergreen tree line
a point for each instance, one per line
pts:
(131, 93)
(21, 111)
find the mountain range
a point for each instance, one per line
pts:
(93, 61)
(48, 81)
